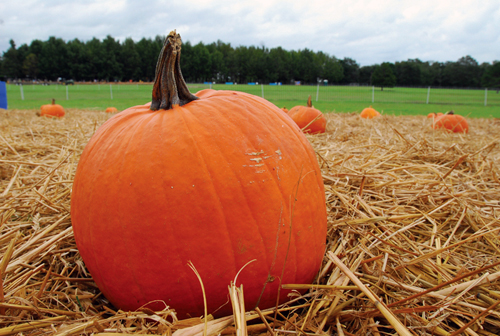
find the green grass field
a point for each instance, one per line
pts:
(393, 101)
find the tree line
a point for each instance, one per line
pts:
(112, 60)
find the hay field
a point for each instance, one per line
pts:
(413, 242)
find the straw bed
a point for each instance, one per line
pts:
(413, 241)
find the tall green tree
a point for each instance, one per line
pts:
(427, 75)
(437, 70)
(36, 47)
(200, 69)
(12, 64)
(408, 73)
(365, 74)
(332, 70)
(306, 66)
(230, 65)
(383, 76)
(30, 66)
(96, 54)
(80, 67)
(261, 63)
(148, 51)
(491, 76)
(113, 69)
(245, 70)
(463, 73)
(130, 60)
(53, 59)
(280, 62)
(351, 71)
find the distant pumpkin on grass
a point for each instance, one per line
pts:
(309, 119)
(52, 110)
(369, 113)
(111, 110)
(451, 122)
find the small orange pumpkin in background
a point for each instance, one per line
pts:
(369, 113)
(111, 110)
(452, 122)
(52, 110)
(284, 109)
(439, 114)
(309, 119)
(431, 115)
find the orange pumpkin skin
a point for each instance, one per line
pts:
(220, 181)
(111, 110)
(452, 122)
(52, 110)
(431, 115)
(284, 109)
(303, 115)
(369, 113)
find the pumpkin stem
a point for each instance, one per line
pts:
(309, 102)
(169, 88)
(450, 112)
(53, 101)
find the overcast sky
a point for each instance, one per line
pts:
(370, 32)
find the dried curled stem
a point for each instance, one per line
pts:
(169, 88)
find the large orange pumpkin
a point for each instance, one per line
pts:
(218, 179)
(369, 113)
(52, 110)
(309, 119)
(452, 122)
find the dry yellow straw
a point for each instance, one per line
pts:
(30, 325)
(238, 303)
(395, 190)
(400, 328)
(205, 317)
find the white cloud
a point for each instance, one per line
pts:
(369, 32)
